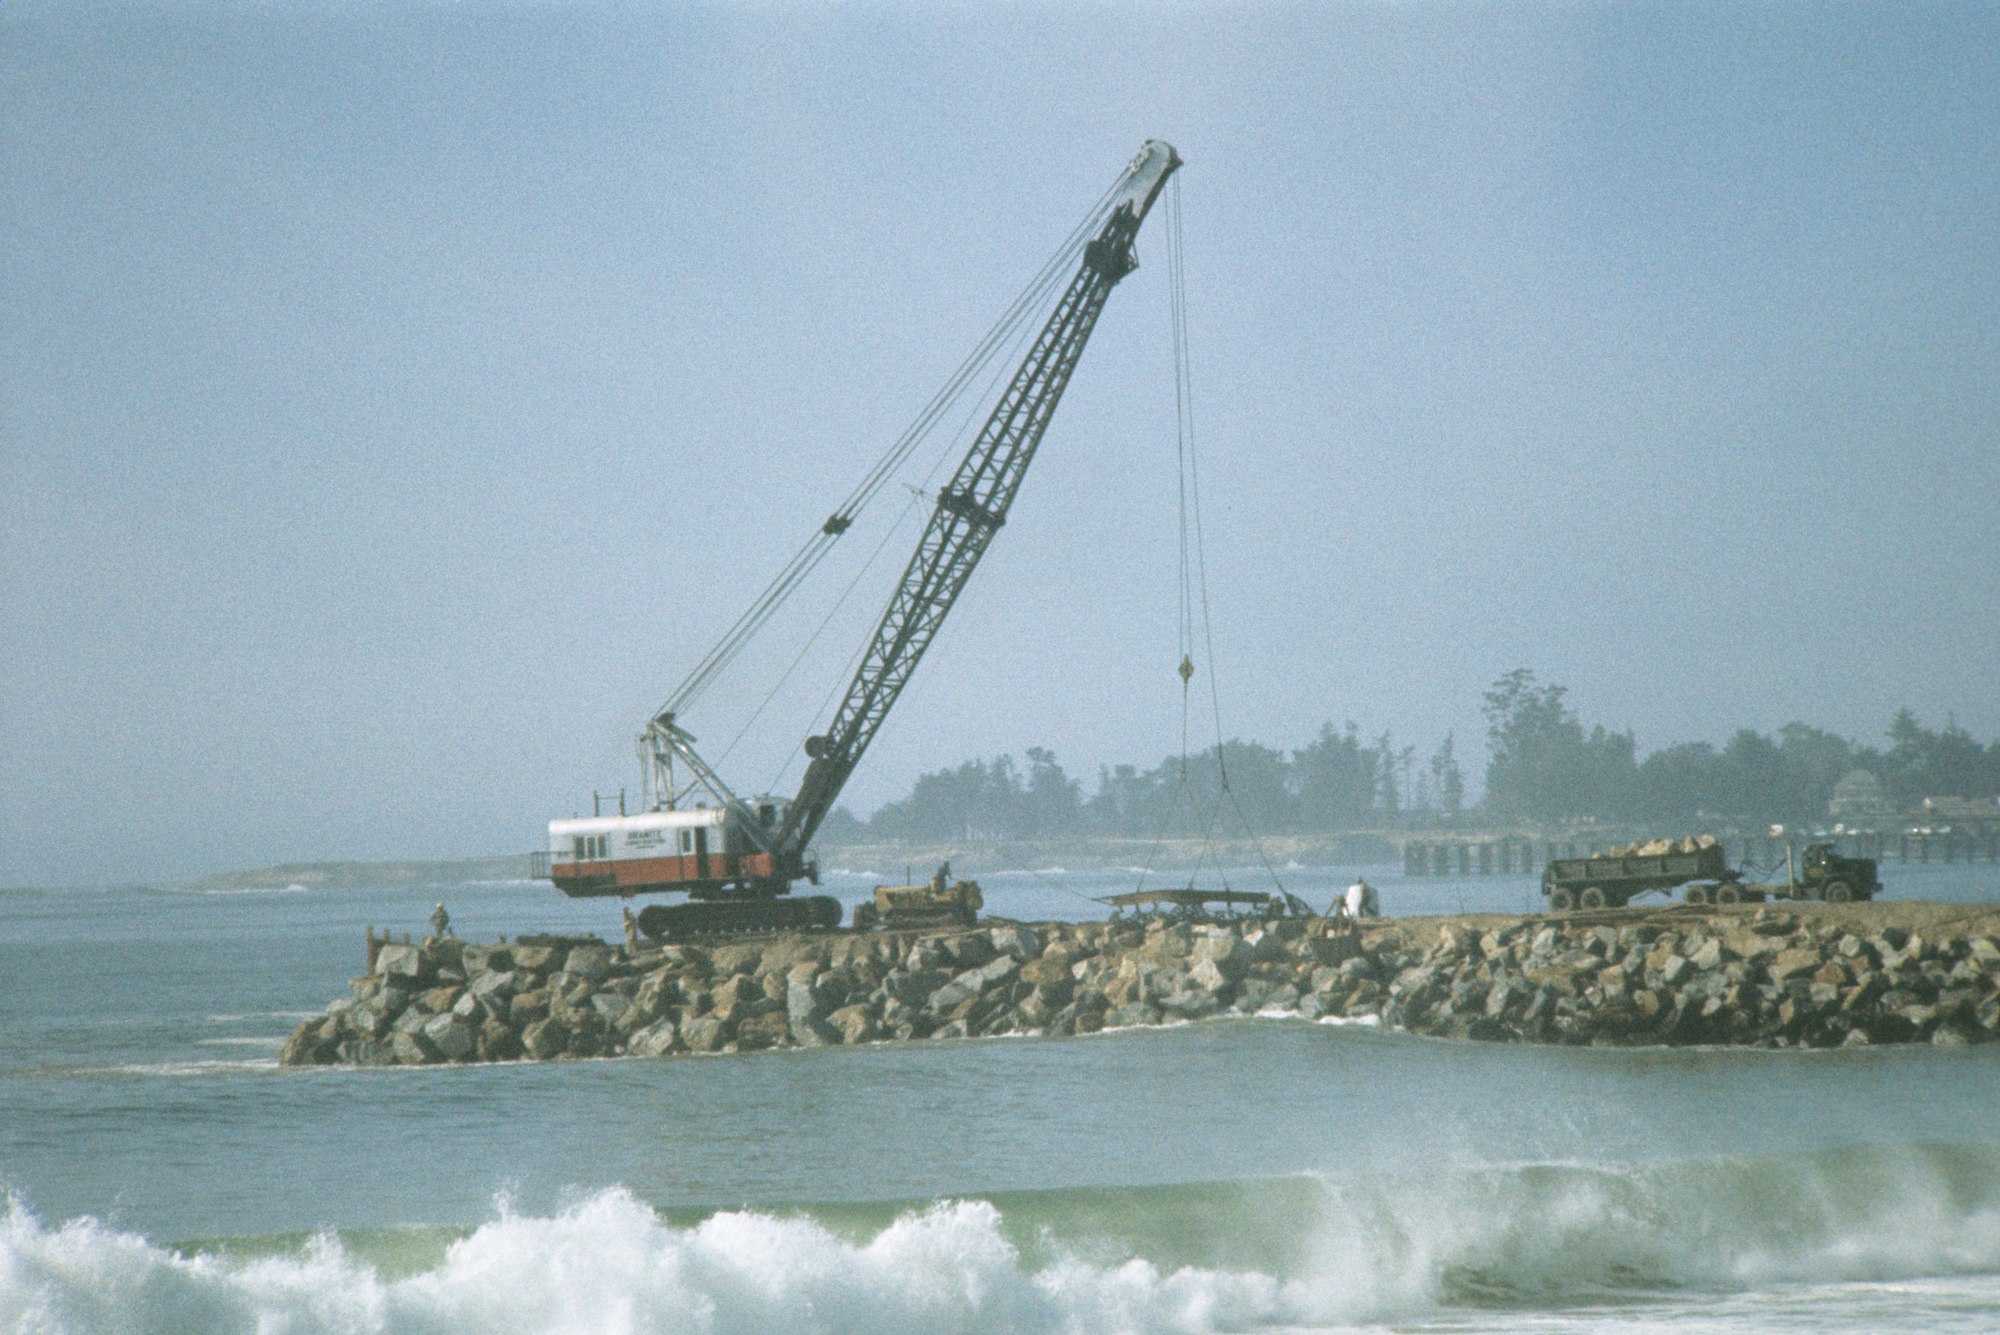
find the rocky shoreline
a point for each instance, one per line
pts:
(1809, 976)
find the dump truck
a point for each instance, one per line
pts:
(1609, 880)
(927, 905)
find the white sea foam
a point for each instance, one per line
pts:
(205, 1066)
(1361, 1250)
(610, 1266)
(293, 1016)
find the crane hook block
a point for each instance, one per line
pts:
(836, 525)
(1187, 668)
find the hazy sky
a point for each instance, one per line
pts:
(395, 403)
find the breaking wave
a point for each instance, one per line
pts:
(1291, 1253)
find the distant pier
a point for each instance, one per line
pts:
(1508, 855)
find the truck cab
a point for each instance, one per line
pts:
(1824, 874)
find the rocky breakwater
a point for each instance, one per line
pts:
(1746, 976)
(1752, 977)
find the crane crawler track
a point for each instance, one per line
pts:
(784, 913)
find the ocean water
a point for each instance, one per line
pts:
(162, 1174)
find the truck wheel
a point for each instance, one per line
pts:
(1591, 898)
(1695, 894)
(1728, 894)
(1839, 892)
(1562, 901)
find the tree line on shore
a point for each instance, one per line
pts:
(1544, 767)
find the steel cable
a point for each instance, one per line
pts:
(1027, 302)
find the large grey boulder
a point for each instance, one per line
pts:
(1209, 979)
(306, 1047)
(854, 1024)
(805, 1013)
(475, 959)
(814, 1032)
(1019, 942)
(611, 1007)
(1037, 1009)
(801, 1002)
(368, 1020)
(1222, 949)
(498, 1042)
(1192, 1004)
(411, 1050)
(1282, 996)
(1262, 946)
(1136, 1013)
(955, 993)
(590, 963)
(688, 959)
(524, 1008)
(364, 1052)
(545, 1039)
(769, 1029)
(995, 972)
(970, 950)
(914, 987)
(453, 1036)
(655, 1040)
(405, 965)
(659, 991)
(493, 983)
(739, 989)
(704, 1033)
(539, 959)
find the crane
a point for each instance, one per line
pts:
(738, 859)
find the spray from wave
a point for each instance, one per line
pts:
(1288, 1254)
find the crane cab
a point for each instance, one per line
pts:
(707, 852)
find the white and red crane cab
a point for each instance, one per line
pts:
(696, 849)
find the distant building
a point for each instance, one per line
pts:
(1964, 813)
(1859, 800)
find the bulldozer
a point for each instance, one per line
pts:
(940, 902)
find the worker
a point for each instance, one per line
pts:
(440, 922)
(1360, 902)
(941, 878)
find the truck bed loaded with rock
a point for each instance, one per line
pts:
(1698, 863)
